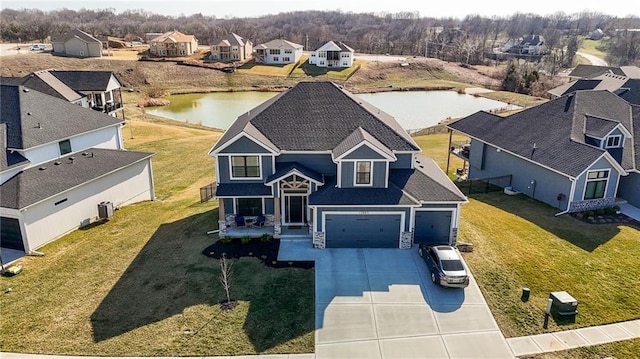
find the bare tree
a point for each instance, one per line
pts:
(226, 273)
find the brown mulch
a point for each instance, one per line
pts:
(267, 252)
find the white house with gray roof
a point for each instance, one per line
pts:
(278, 52)
(332, 54)
(76, 43)
(59, 162)
(318, 161)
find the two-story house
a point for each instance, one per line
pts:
(76, 43)
(332, 54)
(98, 90)
(577, 152)
(278, 51)
(172, 44)
(231, 47)
(320, 159)
(59, 163)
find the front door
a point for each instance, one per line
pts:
(295, 209)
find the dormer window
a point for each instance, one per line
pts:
(613, 141)
(363, 173)
(65, 147)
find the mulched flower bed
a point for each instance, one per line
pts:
(267, 252)
(606, 219)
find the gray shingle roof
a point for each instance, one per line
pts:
(356, 137)
(35, 184)
(329, 194)
(630, 91)
(591, 71)
(44, 82)
(85, 80)
(636, 134)
(34, 118)
(317, 116)
(231, 40)
(8, 158)
(426, 182)
(555, 128)
(279, 44)
(242, 189)
(599, 127)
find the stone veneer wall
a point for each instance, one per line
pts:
(406, 240)
(319, 240)
(591, 204)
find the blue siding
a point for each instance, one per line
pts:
(629, 188)
(379, 174)
(320, 163)
(364, 153)
(228, 205)
(592, 141)
(244, 145)
(404, 161)
(225, 171)
(347, 174)
(601, 164)
(320, 210)
(546, 184)
(268, 206)
(616, 152)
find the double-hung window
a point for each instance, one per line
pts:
(245, 167)
(613, 141)
(363, 173)
(596, 184)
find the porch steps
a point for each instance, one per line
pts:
(295, 237)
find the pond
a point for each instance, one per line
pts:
(413, 109)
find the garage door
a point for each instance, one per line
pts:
(10, 235)
(362, 231)
(432, 227)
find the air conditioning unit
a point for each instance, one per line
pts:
(105, 210)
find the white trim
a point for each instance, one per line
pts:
(386, 176)
(611, 137)
(587, 180)
(294, 152)
(234, 139)
(572, 192)
(17, 214)
(339, 174)
(294, 172)
(231, 177)
(118, 129)
(611, 161)
(355, 174)
(366, 213)
(404, 206)
(371, 146)
(622, 129)
(283, 215)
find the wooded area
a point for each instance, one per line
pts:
(466, 40)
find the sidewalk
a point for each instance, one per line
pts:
(630, 211)
(569, 339)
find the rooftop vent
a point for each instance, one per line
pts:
(42, 168)
(25, 90)
(57, 163)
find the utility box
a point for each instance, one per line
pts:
(105, 210)
(564, 305)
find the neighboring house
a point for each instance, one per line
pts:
(76, 43)
(583, 71)
(59, 162)
(332, 54)
(596, 34)
(529, 45)
(578, 152)
(278, 51)
(627, 88)
(173, 43)
(231, 47)
(99, 90)
(318, 159)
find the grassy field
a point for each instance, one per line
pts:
(513, 98)
(592, 47)
(139, 284)
(251, 68)
(628, 349)
(304, 69)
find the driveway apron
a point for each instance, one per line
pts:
(380, 303)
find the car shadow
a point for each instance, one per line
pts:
(170, 275)
(583, 235)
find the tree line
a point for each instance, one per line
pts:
(466, 40)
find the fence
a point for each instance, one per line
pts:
(484, 185)
(207, 192)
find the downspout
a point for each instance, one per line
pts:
(569, 199)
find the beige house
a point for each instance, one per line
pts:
(76, 43)
(231, 47)
(173, 43)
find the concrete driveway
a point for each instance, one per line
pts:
(380, 303)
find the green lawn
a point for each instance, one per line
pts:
(520, 243)
(139, 284)
(627, 349)
(592, 47)
(251, 68)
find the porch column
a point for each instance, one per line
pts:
(277, 229)
(221, 214)
(449, 151)
(222, 222)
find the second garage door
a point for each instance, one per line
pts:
(362, 231)
(432, 227)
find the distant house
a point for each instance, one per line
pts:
(583, 71)
(99, 90)
(596, 34)
(625, 87)
(278, 51)
(173, 43)
(332, 54)
(60, 162)
(317, 161)
(231, 47)
(578, 152)
(76, 43)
